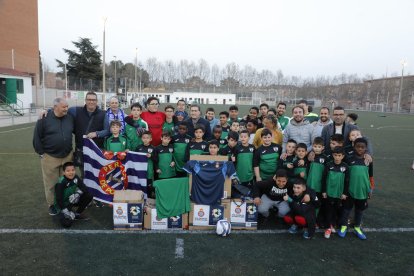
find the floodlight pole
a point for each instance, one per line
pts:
(403, 64)
(103, 66)
(115, 77)
(136, 60)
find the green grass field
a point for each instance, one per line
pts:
(72, 253)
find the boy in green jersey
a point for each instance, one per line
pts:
(197, 145)
(169, 120)
(361, 184)
(300, 164)
(217, 131)
(223, 119)
(148, 149)
(116, 142)
(164, 158)
(335, 185)
(243, 155)
(180, 142)
(135, 126)
(266, 158)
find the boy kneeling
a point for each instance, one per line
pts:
(302, 203)
(69, 192)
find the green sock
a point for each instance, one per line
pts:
(358, 229)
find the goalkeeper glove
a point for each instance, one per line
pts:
(74, 198)
(68, 214)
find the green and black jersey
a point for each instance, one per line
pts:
(163, 156)
(223, 143)
(225, 132)
(180, 143)
(283, 121)
(315, 172)
(196, 148)
(131, 127)
(64, 188)
(116, 144)
(168, 127)
(335, 181)
(267, 159)
(227, 151)
(148, 150)
(284, 163)
(297, 169)
(359, 174)
(244, 162)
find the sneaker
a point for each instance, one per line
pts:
(359, 233)
(52, 210)
(293, 229)
(333, 230)
(306, 235)
(342, 231)
(81, 217)
(98, 204)
(328, 233)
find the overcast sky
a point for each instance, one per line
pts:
(300, 37)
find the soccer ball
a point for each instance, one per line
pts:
(223, 228)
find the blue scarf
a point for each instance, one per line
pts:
(120, 116)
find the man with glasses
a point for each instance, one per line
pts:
(195, 119)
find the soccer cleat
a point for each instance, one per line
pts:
(333, 230)
(293, 229)
(359, 233)
(52, 210)
(81, 217)
(342, 231)
(306, 235)
(98, 204)
(328, 232)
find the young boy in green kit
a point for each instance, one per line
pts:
(243, 155)
(148, 149)
(135, 126)
(361, 185)
(164, 164)
(266, 158)
(116, 142)
(180, 142)
(197, 145)
(300, 164)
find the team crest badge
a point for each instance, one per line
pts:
(170, 150)
(322, 160)
(217, 165)
(343, 169)
(275, 148)
(251, 149)
(237, 210)
(111, 176)
(75, 181)
(119, 211)
(187, 141)
(201, 213)
(149, 150)
(203, 146)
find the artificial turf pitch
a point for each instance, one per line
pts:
(23, 207)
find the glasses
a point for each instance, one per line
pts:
(339, 114)
(154, 104)
(91, 100)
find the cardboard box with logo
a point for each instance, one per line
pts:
(205, 217)
(243, 214)
(128, 210)
(152, 222)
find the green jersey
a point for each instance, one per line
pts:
(180, 143)
(244, 162)
(116, 144)
(149, 150)
(359, 174)
(132, 128)
(267, 159)
(335, 180)
(64, 189)
(297, 169)
(315, 173)
(163, 156)
(225, 132)
(168, 127)
(283, 121)
(172, 197)
(196, 148)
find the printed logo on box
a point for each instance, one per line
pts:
(216, 214)
(135, 213)
(251, 215)
(120, 213)
(175, 222)
(238, 212)
(156, 223)
(200, 215)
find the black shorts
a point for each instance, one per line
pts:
(360, 204)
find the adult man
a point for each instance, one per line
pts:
(282, 119)
(338, 127)
(115, 113)
(324, 119)
(155, 120)
(311, 117)
(195, 119)
(52, 140)
(234, 114)
(298, 129)
(210, 117)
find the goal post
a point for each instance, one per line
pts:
(376, 107)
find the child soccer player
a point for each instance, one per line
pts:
(266, 157)
(300, 164)
(228, 150)
(287, 164)
(335, 185)
(169, 120)
(135, 126)
(148, 149)
(223, 118)
(116, 142)
(336, 140)
(164, 158)
(180, 142)
(302, 204)
(213, 147)
(269, 193)
(235, 126)
(251, 127)
(217, 131)
(243, 155)
(353, 135)
(197, 145)
(361, 185)
(70, 192)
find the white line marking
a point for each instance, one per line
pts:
(17, 129)
(179, 248)
(175, 232)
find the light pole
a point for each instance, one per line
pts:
(66, 80)
(403, 64)
(115, 77)
(136, 60)
(103, 66)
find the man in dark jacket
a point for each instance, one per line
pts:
(195, 119)
(52, 140)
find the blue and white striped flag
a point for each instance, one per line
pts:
(103, 176)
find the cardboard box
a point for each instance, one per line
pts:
(227, 182)
(243, 215)
(128, 210)
(152, 222)
(205, 217)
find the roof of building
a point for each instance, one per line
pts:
(12, 72)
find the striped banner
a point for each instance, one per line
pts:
(103, 176)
